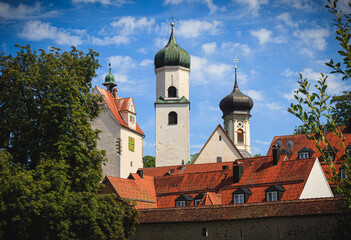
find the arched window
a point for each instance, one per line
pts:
(172, 92)
(240, 135)
(172, 118)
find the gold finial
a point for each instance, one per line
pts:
(235, 61)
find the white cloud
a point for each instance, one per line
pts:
(286, 18)
(22, 11)
(209, 48)
(306, 5)
(290, 96)
(288, 73)
(142, 50)
(146, 62)
(122, 63)
(37, 30)
(161, 42)
(104, 2)
(254, 5)
(255, 95)
(314, 38)
(203, 70)
(273, 106)
(116, 40)
(261, 142)
(213, 8)
(130, 25)
(264, 36)
(230, 46)
(194, 28)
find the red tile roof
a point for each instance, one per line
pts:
(211, 199)
(300, 141)
(241, 211)
(112, 104)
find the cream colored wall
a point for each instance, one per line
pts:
(232, 121)
(110, 132)
(172, 141)
(215, 148)
(316, 185)
(128, 156)
(178, 75)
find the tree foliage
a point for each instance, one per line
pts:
(148, 161)
(318, 116)
(49, 163)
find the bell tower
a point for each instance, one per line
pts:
(236, 115)
(172, 69)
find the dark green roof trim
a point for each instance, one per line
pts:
(172, 101)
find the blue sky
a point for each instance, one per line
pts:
(273, 40)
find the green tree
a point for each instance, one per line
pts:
(148, 161)
(317, 115)
(341, 108)
(49, 163)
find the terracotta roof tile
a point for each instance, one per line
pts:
(111, 103)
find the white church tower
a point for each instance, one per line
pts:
(236, 115)
(172, 69)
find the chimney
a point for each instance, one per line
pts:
(237, 173)
(276, 154)
(141, 173)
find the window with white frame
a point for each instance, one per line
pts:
(197, 202)
(180, 203)
(342, 174)
(271, 196)
(303, 155)
(239, 198)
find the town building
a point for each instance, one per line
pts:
(121, 136)
(236, 115)
(172, 69)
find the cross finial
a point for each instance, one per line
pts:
(172, 18)
(235, 61)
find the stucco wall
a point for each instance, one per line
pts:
(299, 227)
(110, 132)
(128, 156)
(172, 141)
(215, 147)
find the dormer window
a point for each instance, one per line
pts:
(348, 150)
(198, 199)
(330, 153)
(274, 193)
(241, 195)
(305, 153)
(183, 201)
(342, 173)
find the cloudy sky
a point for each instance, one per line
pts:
(274, 40)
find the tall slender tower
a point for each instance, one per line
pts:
(236, 115)
(172, 69)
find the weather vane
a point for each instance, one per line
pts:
(235, 61)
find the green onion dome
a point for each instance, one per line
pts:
(110, 79)
(172, 54)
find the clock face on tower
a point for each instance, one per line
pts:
(240, 124)
(131, 143)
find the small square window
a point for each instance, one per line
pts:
(271, 196)
(239, 198)
(303, 155)
(197, 202)
(180, 203)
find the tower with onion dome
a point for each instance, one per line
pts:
(172, 69)
(236, 115)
